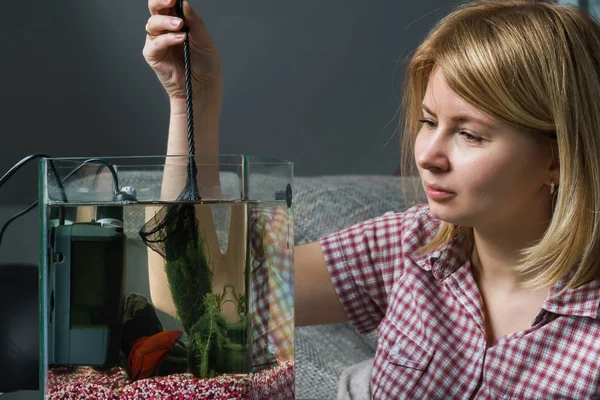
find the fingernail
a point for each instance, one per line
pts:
(180, 36)
(175, 22)
(166, 1)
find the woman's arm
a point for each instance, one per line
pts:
(163, 51)
(206, 136)
(316, 301)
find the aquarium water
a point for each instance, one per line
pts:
(121, 322)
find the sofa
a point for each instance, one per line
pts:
(323, 205)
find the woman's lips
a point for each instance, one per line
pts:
(438, 193)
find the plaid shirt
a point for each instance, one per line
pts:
(429, 316)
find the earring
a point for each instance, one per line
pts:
(551, 187)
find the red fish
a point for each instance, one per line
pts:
(148, 352)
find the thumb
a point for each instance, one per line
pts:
(198, 32)
(192, 19)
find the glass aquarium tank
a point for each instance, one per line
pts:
(147, 292)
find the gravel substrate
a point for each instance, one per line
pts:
(87, 383)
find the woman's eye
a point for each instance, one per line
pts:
(466, 135)
(427, 122)
(470, 138)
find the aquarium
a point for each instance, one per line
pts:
(146, 293)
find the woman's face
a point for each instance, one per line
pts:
(477, 170)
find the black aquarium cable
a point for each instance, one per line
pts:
(24, 161)
(103, 163)
(17, 167)
(59, 182)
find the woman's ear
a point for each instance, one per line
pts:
(554, 165)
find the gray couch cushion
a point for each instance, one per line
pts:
(323, 205)
(327, 204)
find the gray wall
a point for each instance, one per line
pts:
(317, 82)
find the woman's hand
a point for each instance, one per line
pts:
(163, 51)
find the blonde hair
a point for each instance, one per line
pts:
(535, 65)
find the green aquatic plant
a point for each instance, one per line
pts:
(212, 347)
(239, 300)
(215, 344)
(207, 340)
(190, 279)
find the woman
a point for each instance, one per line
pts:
(491, 289)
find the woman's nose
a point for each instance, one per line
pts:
(431, 152)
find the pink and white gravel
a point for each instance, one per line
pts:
(86, 383)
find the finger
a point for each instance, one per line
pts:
(159, 24)
(156, 48)
(161, 7)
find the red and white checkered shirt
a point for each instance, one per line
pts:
(429, 316)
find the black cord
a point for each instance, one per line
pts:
(104, 164)
(191, 192)
(60, 182)
(17, 167)
(188, 96)
(20, 214)
(24, 161)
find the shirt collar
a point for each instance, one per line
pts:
(582, 301)
(444, 261)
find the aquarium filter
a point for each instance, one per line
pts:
(87, 288)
